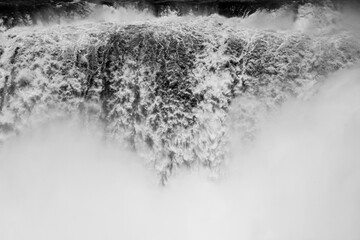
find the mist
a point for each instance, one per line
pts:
(300, 179)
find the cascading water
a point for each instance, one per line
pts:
(250, 98)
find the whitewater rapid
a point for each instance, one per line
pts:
(252, 124)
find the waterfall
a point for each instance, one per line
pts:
(251, 124)
(169, 88)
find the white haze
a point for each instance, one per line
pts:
(299, 180)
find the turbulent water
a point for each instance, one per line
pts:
(268, 106)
